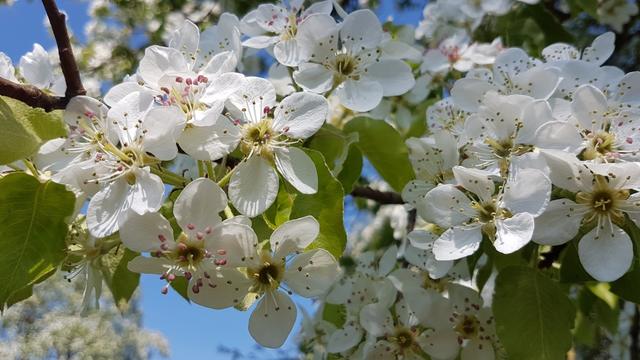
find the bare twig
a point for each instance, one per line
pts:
(382, 197)
(37, 98)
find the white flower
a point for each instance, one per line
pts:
(129, 182)
(37, 70)
(602, 200)
(432, 159)
(601, 129)
(616, 13)
(274, 25)
(514, 72)
(249, 272)
(506, 218)
(194, 253)
(347, 59)
(266, 130)
(7, 71)
(503, 133)
(457, 53)
(460, 324)
(600, 50)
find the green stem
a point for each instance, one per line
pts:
(210, 172)
(200, 168)
(169, 177)
(226, 178)
(32, 168)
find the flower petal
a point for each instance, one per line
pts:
(294, 236)
(394, 75)
(298, 168)
(220, 289)
(513, 233)
(362, 95)
(558, 224)
(300, 115)
(272, 320)
(376, 319)
(457, 242)
(253, 186)
(311, 273)
(606, 253)
(146, 233)
(198, 205)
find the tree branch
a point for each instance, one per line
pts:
(382, 197)
(37, 98)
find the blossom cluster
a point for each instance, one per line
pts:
(182, 159)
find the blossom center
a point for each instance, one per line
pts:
(603, 200)
(189, 252)
(404, 338)
(258, 137)
(468, 327)
(601, 144)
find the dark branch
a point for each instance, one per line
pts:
(382, 197)
(65, 51)
(551, 256)
(634, 332)
(31, 95)
(37, 98)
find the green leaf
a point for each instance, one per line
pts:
(124, 282)
(24, 129)
(334, 146)
(571, 270)
(279, 212)
(327, 206)
(589, 6)
(32, 230)
(534, 317)
(352, 169)
(384, 148)
(181, 286)
(627, 286)
(335, 314)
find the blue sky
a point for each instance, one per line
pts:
(193, 332)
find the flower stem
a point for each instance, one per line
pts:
(169, 177)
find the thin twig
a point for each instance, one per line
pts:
(382, 197)
(37, 98)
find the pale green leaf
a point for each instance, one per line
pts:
(534, 316)
(32, 230)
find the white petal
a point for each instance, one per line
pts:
(589, 105)
(220, 63)
(220, 289)
(558, 224)
(253, 186)
(298, 168)
(446, 206)
(222, 87)
(317, 36)
(312, 273)
(146, 233)
(477, 181)
(36, 67)
(147, 192)
(440, 344)
(606, 253)
(394, 75)
(287, 52)
(513, 233)
(260, 41)
(148, 265)
(186, 39)
(415, 190)
(566, 171)
(210, 142)
(558, 135)
(376, 319)
(388, 261)
(300, 115)
(344, 339)
(254, 96)
(7, 71)
(457, 242)
(272, 320)
(528, 191)
(294, 236)
(161, 127)
(468, 93)
(601, 48)
(237, 241)
(361, 29)
(120, 91)
(160, 60)
(313, 77)
(198, 205)
(538, 83)
(362, 95)
(478, 350)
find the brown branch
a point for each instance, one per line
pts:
(382, 197)
(37, 98)
(551, 256)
